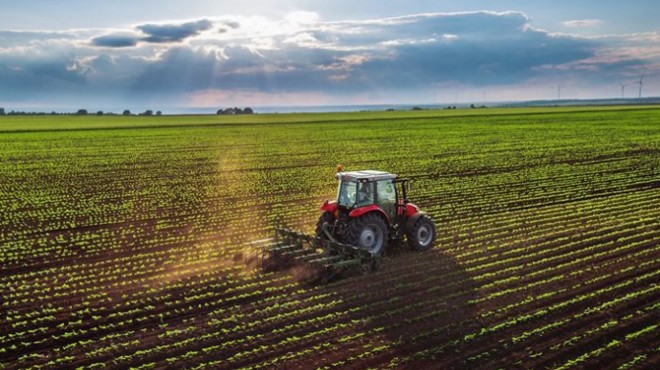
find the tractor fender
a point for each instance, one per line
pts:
(329, 206)
(368, 209)
(410, 222)
(411, 209)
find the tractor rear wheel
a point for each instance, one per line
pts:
(325, 217)
(422, 235)
(368, 232)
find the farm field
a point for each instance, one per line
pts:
(123, 240)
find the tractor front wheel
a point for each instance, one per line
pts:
(422, 235)
(368, 232)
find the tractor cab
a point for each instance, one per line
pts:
(371, 209)
(368, 188)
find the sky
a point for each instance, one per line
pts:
(141, 54)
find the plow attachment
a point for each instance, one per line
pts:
(313, 259)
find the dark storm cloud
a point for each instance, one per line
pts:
(159, 33)
(163, 33)
(115, 41)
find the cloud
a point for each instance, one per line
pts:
(160, 33)
(388, 58)
(303, 17)
(393, 54)
(116, 40)
(13, 38)
(29, 78)
(583, 23)
(164, 33)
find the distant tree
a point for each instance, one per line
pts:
(126, 112)
(472, 106)
(99, 113)
(148, 112)
(158, 113)
(234, 111)
(416, 108)
(82, 112)
(2, 111)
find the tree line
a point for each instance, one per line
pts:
(148, 112)
(234, 111)
(79, 112)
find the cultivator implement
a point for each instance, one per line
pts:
(314, 259)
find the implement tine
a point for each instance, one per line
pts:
(324, 259)
(282, 248)
(299, 252)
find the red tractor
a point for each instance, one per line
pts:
(372, 209)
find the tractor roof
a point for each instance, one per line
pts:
(365, 175)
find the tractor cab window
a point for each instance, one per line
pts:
(365, 194)
(347, 192)
(387, 197)
(356, 194)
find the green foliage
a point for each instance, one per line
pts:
(123, 240)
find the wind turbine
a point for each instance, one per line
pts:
(623, 90)
(559, 92)
(640, 83)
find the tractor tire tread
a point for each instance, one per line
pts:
(356, 226)
(412, 235)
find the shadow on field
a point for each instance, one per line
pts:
(433, 283)
(414, 302)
